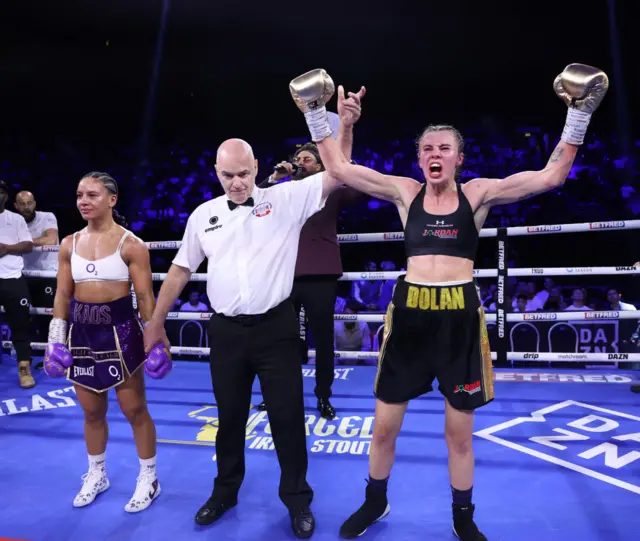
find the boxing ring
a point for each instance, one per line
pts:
(557, 452)
(502, 273)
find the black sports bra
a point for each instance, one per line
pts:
(452, 234)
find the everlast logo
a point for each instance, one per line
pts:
(433, 298)
(94, 315)
(82, 371)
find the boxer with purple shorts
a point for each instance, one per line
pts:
(96, 337)
(105, 340)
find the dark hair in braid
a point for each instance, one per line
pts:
(120, 220)
(112, 187)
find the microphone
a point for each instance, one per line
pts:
(282, 169)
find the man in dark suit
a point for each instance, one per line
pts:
(319, 264)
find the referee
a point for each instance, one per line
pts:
(15, 240)
(250, 237)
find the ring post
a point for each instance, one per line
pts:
(502, 345)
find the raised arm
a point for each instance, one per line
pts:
(349, 112)
(582, 88)
(527, 183)
(363, 179)
(311, 92)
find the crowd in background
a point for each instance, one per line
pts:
(175, 180)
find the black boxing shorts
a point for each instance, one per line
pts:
(435, 332)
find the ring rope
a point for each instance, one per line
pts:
(360, 355)
(587, 227)
(392, 275)
(379, 318)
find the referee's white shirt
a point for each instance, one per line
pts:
(251, 251)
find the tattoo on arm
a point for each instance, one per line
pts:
(557, 154)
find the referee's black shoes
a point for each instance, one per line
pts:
(302, 522)
(635, 388)
(326, 409)
(213, 510)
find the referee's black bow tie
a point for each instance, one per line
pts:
(233, 206)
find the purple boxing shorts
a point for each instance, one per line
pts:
(106, 342)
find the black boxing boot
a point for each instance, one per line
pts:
(464, 527)
(374, 508)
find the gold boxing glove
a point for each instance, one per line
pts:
(582, 88)
(311, 92)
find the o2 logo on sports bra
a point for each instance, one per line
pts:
(91, 269)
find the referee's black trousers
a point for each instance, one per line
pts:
(268, 348)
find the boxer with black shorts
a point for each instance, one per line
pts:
(434, 326)
(104, 346)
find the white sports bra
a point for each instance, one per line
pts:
(108, 269)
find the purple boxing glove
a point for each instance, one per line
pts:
(158, 363)
(57, 358)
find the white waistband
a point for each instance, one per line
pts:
(455, 283)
